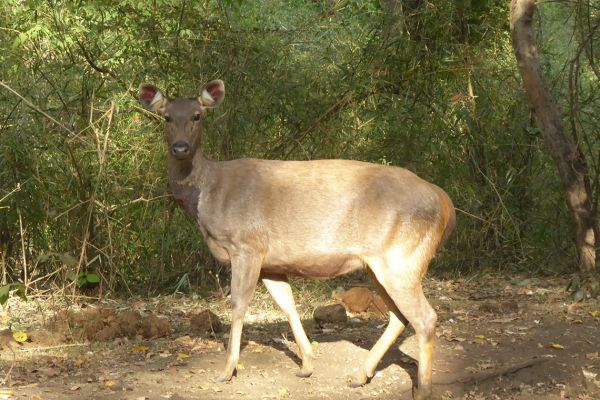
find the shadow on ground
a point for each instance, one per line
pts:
(495, 340)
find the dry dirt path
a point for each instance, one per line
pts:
(498, 338)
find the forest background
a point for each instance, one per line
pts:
(432, 86)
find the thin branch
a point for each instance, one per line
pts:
(103, 70)
(35, 108)
(486, 375)
(101, 160)
(23, 253)
(61, 346)
(91, 62)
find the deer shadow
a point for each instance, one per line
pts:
(256, 332)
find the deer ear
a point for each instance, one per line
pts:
(212, 94)
(151, 98)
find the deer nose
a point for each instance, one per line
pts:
(180, 149)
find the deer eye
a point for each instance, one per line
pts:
(196, 117)
(167, 118)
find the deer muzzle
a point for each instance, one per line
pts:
(180, 150)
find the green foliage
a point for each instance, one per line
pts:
(432, 86)
(18, 289)
(83, 278)
(65, 258)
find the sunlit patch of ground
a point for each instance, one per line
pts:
(498, 338)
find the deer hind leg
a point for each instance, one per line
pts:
(245, 270)
(423, 318)
(281, 292)
(395, 327)
(402, 282)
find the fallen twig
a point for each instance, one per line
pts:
(485, 375)
(60, 346)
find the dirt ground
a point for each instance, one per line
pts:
(497, 338)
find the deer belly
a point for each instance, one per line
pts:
(325, 267)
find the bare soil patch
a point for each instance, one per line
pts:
(498, 338)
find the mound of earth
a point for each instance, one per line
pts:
(101, 324)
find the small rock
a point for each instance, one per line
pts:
(334, 313)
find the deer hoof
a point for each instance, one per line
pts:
(357, 380)
(222, 378)
(304, 372)
(422, 394)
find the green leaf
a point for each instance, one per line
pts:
(71, 275)
(92, 278)
(81, 281)
(532, 131)
(20, 288)
(4, 291)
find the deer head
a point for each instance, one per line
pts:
(183, 116)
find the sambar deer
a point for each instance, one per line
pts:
(315, 219)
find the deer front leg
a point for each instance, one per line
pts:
(245, 270)
(281, 292)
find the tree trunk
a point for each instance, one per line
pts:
(569, 159)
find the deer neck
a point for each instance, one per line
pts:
(185, 181)
(179, 170)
